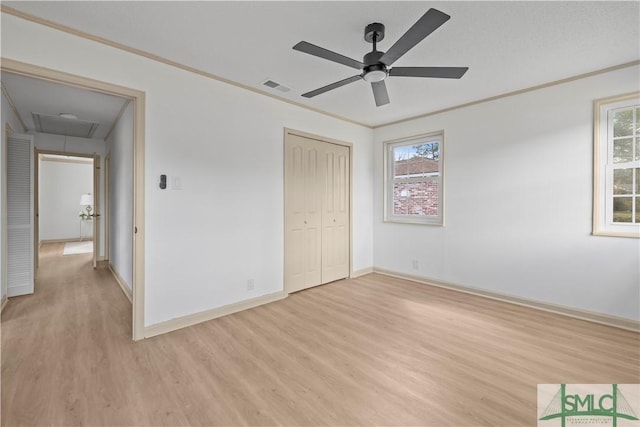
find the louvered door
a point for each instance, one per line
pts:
(20, 244)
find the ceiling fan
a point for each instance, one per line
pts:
(376, 65)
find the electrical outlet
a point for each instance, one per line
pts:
(250, 284)
(415, 264)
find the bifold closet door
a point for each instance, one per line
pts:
(316, 212)
(303, 222)
(20, 231)
(335, 213)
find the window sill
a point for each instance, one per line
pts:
(413, 222)
(607, 233)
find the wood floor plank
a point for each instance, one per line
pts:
(369, 351)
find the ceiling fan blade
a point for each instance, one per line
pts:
(429, 22)
(380, 93)
(332, 86)
(321, 52)
(436, 72)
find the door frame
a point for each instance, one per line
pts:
(3, 193)
(107, 203)
(289, 131)
(96, 199)
(138, 98)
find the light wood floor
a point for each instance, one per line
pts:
(369, 351)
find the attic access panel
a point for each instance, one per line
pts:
(58, 125)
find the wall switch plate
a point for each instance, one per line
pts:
(176, 183)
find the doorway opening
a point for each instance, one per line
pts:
(66, 199)
(134, 230)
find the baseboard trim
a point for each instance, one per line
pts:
(362, 272)
(120, 281)
(203, 316)
(590, 316)
(4, 302)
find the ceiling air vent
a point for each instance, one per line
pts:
(275, 85)
(59, 125)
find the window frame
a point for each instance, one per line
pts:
(388, 177)
(603, 167)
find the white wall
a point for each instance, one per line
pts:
(7, 117)
(61, 185)
(518, 209)
(47, 141)
(226, 224)
(120, 150)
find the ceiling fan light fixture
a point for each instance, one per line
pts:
(375, 76)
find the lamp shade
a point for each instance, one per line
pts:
(86, 200)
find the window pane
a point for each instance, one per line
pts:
(637, 122)
(637, 181)
(637, 210)
(622, 150)
(623, 181)
(622, 209)
(416, 161)
(623, 122)
(400, 157)
(415, 198)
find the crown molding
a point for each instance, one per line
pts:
(515, 92)
(29, 17)
(102, 40)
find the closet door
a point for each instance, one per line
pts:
(303, 234)
(20, 232)
(335, 213)
(317, 202)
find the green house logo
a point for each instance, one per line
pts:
(589, 404)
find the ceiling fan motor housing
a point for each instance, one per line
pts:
(374, 70)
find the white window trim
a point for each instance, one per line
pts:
(603, 170)
(388, 215)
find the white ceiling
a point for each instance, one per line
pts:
(507, 45)
(31, 95)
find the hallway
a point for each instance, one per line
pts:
(75, 323)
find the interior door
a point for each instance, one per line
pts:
(20, 215)
(335, 213)
(303, 236)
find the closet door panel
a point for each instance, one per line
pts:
(335, 219)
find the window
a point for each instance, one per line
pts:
(616, 207)
(413, 190)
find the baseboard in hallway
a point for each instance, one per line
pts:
(120, 281)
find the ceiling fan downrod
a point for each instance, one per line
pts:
(374, 70)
